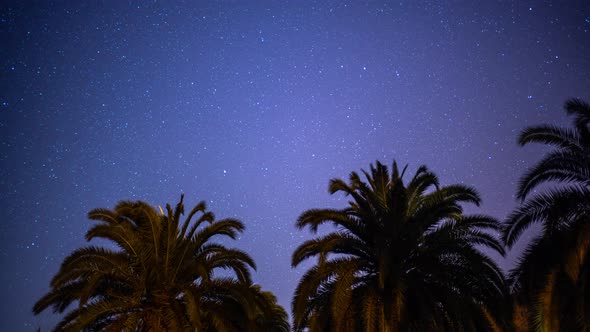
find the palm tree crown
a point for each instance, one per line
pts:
(568, 164)
(161, 278)
(403, 258)
(552, 277)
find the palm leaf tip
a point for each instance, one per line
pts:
(577, 106)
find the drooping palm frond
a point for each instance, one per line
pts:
(554, 209)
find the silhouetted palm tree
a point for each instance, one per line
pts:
(402, 258)
(552, 278)
(161, 278)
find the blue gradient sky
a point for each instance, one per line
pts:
(254, 106)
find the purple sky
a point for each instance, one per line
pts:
(254, 107)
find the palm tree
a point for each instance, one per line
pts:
(552, 276)
(160, 278)
(402, 258)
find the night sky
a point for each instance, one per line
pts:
(254, 106)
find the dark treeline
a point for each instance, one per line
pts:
(402, 256)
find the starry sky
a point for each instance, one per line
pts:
(253, 106)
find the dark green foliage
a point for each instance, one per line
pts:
(402, 258)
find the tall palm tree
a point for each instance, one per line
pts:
(160, 278)
(552, 276)
(402, 258)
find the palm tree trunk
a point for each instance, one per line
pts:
(390, 314)
(385, 324)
